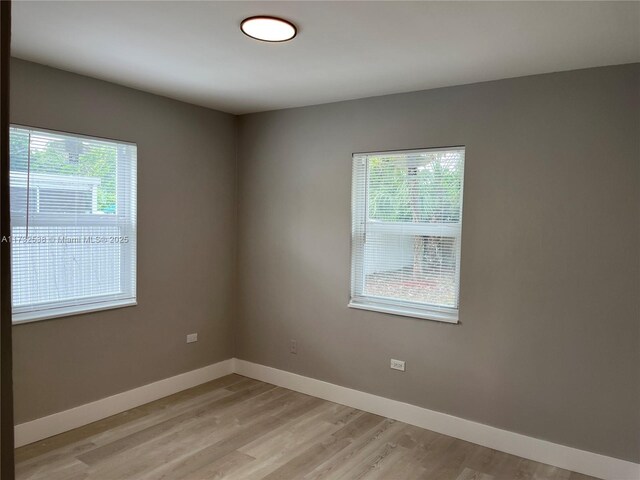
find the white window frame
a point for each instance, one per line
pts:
(128, 278)
(361, 224)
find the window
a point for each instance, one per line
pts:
(406, 226)
(73, 223)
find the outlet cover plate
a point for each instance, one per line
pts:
(397, 364)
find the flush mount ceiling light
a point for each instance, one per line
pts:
(268, 29)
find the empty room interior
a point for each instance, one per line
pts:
(255, 240)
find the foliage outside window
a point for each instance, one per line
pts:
(406, 228)
(73, 223)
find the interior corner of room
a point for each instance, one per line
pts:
(346, 248)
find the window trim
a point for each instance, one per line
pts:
(94, 304)
(447, 315)
(73, 134)
(51, 313)
(389, 305)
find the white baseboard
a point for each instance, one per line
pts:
(60, 422)
(543, 451)
(531, 448)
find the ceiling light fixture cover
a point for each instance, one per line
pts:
(268, 29)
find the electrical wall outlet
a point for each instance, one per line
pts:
(293, 346)
(192, 337)
(397, 364)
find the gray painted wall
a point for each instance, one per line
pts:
(549, 340)
(186, 245)
(549, 343)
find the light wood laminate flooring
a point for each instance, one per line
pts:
(236, 428)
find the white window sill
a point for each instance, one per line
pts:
(439, 315)
(36, 316)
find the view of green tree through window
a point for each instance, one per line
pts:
(73, 218)
(91, 160)
(407, 209)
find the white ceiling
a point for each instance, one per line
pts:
(195, 52)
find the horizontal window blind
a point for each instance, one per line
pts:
(73, 223)
(406, 226)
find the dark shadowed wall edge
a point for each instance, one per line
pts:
(7, 469)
